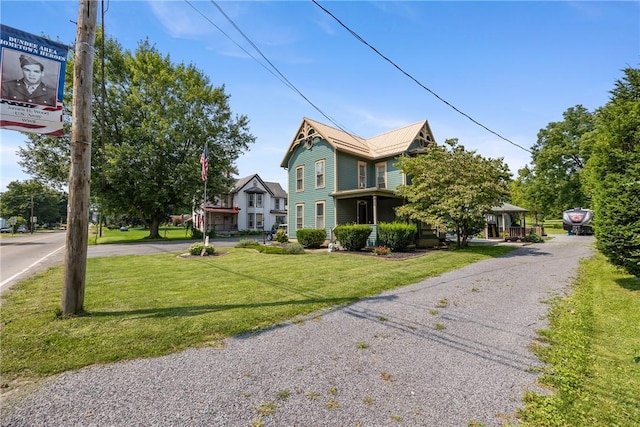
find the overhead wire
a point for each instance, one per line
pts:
(273, 70)
(362, 40)
(234, 42)
(291, 85)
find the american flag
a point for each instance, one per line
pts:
(204, 161)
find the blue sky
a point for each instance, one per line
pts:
(512, 66)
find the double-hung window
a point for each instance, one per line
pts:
(320, 215)
(299, 216)
(320, 174)
(362, 175)
(381, 175)
(300, 178)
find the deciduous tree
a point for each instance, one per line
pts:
(451, 187)
(158, 117)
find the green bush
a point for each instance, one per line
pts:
(197, 234)
(311, 237)
(533, 238)
(352, 237)
(247, 243)
(396, 235)
(197, 248)
(292, 248)
(281, 236)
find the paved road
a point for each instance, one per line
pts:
(452, 350)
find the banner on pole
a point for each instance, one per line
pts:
(32, 71)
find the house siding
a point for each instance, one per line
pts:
(311, 195)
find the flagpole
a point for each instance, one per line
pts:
(204, 211)
(204, 161)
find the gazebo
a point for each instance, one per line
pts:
(507, 222)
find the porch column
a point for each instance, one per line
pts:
(375, 209)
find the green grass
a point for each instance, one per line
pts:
(592, 351)
(136, 234)
(143, 306)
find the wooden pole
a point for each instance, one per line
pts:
(80, 173)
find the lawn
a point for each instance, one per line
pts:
(592, 349)
(143, 306)
(135, 234)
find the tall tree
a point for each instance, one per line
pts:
(558, 159)
(613, 174)
(158, 118)
(451, 187)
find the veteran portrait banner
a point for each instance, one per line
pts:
(32, 71)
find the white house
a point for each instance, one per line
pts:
(253, 204)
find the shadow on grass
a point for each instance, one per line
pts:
(630, 283)
(196, 310)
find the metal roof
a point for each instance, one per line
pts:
(388, 144)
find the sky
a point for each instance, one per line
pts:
(512, 66)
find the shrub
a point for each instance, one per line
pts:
(292, 248)
(247, 243)
(352, 237)
(281, 236)
(397, 236)
(311, 237)
(197, 248)
(533, 238)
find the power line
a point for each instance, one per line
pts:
(277, 73)
(358, 37)
(291, 85)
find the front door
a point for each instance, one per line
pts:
(363, 212)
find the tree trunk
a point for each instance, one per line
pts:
(154, 228)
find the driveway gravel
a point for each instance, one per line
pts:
(447, 351)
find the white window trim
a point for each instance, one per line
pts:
(301, 205)
(378, 166)
(301, 169)
(324, 173)
(324, 214)
(362, 183)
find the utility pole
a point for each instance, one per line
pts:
(31, 224)
(80, 173)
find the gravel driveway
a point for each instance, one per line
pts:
(448, 351)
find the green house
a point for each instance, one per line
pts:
(336, 178)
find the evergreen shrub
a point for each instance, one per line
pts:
(352, 237)
(396, 236)
(311, 237)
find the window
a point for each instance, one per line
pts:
(258, 200)
(259, 221)
(300, 178)
(299, 217)
(362, 175)
(251, 221)
(320, 174)
(320, 215)
(281, 219)
(251, 200)
(277, 204)
(381, 175)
